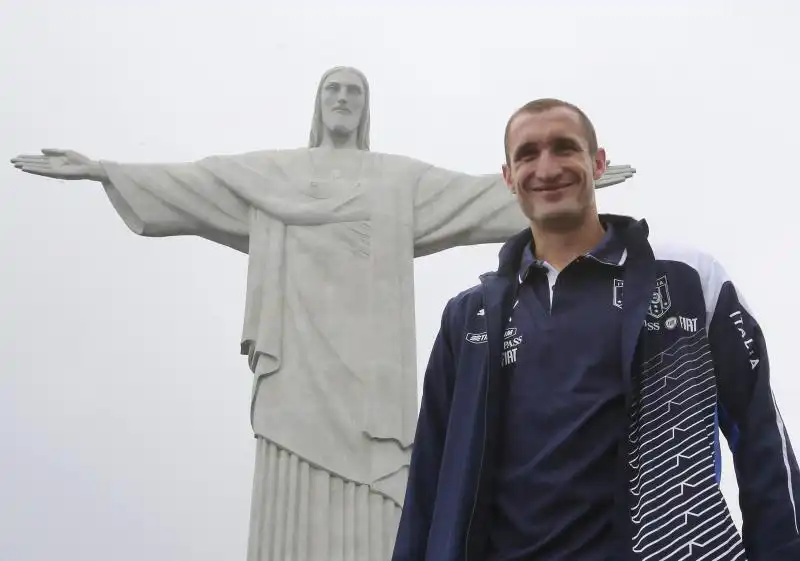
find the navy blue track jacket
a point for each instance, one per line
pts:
(688, 374)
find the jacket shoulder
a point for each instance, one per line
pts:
(710, 274)
(701, 261)
(465, 304)
(468, 296)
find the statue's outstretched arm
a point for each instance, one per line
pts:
(156, 200)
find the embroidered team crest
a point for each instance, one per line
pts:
(660, 302)
(617, 298)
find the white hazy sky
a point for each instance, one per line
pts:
(124, 428)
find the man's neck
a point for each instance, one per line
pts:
(560, 248)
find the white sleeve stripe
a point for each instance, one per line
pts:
(785, 449)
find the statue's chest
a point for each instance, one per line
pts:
(319, 186)
(335, 176)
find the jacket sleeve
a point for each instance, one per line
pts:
(764, 461)
(423, 479)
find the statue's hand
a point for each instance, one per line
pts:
(614, 175)
(60, 164)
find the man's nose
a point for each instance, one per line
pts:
(548, 167)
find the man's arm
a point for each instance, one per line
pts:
(453, 209)
(765, 464)
(423, 479)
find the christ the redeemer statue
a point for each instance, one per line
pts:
(331, 232)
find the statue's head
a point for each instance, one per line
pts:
(341, 108)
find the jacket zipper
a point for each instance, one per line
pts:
(485, 424)
(480, 466)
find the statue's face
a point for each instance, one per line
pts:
(342, 102)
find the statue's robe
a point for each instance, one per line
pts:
(329, 319)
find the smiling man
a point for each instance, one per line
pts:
(573, 399)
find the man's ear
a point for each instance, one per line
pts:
(600, 163)
(508, 179)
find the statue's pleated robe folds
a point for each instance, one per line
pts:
(331, 236)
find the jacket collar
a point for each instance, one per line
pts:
(610, 251)
(624, 230)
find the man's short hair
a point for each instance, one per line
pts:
(544, 104)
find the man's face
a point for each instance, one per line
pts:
(342, 102)
(551, 170)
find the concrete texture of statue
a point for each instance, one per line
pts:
(331, 232)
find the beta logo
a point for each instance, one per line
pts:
(477, 338)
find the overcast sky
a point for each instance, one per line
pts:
(124, 430)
